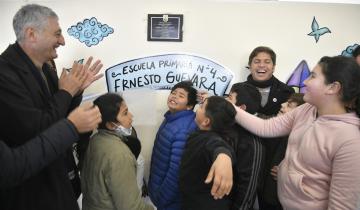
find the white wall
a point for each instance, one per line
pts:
(225, 31)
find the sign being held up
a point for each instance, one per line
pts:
(164, 71)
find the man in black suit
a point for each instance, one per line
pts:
(32, 99)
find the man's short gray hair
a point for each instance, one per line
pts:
(31, 15)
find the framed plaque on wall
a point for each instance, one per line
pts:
(162, 27)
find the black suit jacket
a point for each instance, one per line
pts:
(18, 164)
(27, 108)
(279, 93)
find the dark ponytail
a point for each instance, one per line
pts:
(222, 116)
(109, 106)
(346, 71)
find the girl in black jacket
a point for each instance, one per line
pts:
(214, 118)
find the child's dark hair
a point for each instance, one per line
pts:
(222, 117)
(247, 94)
(347, 72)
(188, 87)
(263, 49)
(297, 98)
(109, 106)
(356, 51)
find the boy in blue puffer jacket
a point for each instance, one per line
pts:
(169, 145)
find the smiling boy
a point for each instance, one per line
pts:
(169, 145)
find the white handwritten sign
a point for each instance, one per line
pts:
(164, 71)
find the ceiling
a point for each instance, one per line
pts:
(326, 1)
(313, 1)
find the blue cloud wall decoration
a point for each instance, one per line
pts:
(349, 50)
(90, 31)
